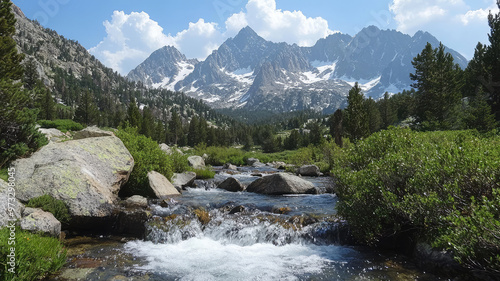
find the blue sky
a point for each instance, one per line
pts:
(122, 33)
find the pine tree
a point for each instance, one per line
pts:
(175, 128)
(373, 113)
(388, 115)
(46, 105)
(134, 117)
(86, 111)
(357, 123)
(492, 61)
(31, 76)
(193, 132)
(148, 122)
(18, 135)
(10, 66)
(438, 84)
(336, 127)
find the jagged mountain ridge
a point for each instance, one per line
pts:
(68, 69)
(249, 72)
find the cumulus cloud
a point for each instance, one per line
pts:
(278, 26)
(131, 38)
(441, 17)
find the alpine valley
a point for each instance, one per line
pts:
(251, 73)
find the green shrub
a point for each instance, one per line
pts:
(179, 161)
(36, 256)
(148, 157)
(52, 205)
(62, 125)
(4, 174)
(203, 174)
(399, 180)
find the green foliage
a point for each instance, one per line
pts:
(179, 161)
(62, 125)
(10, 68)
(52, 205)
(424, 183)
(36, 256)
(474, 238)
(4, 174)
(356, 117)
(203, 174)
(438, 81)
(147, 156)
(86, 111)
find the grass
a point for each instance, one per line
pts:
(4, 175)
(36, 256)
(52, 205)
(62, 125)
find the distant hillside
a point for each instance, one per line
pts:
(68, 69)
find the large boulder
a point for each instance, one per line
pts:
(92, 132)
(161, 186)
(309, 171)
(231, 184)
(281, 183)
(184, 179)
(53, 135)
(37, 220)
(196, 162)
(10, 208)
(86, 174)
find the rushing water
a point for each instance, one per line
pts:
(211, 234)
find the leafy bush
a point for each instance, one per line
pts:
(203, 174)
(36, 256)
(179, 162)
(424, 183)
(148, 157)
(52, 205)
(62, 125)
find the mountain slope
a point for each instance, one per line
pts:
(69, 70)
(250, 72)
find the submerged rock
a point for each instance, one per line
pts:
(196, 162)
(136, 201)
(229, 166)
(280, 184)
(232, 185)
(161, 186)
(37, 220)
(85, 174)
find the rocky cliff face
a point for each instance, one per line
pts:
(250, 72)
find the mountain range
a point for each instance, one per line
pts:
(252, 73)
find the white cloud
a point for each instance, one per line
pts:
(131, 38)
(452, 21)
(277, 25)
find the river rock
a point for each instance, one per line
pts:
(309, 171)
(8, 201)
(196, 162)
(136, 201)
(229, 166)
(85, 174)
(37, 220)
(161, 186)
(53, 135)
(131, 222)
(184, 179)
(252, 161)
(232, 185)
(281, 183)
(92, 132)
